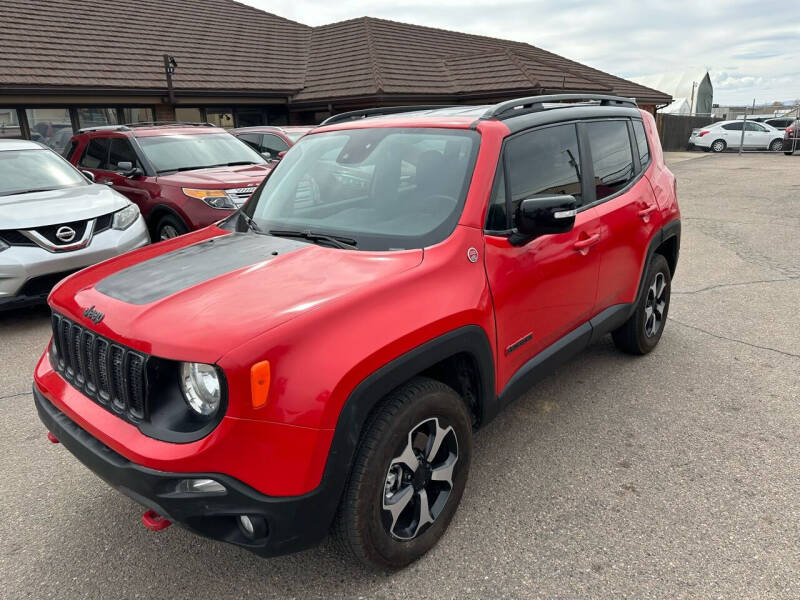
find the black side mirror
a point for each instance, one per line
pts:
(543, 215)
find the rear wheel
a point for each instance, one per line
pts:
(718, 146)
(788, 152)
(642, 331)
(776, 146)
(409, 475)
(168, 227)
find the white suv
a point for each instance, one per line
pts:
(55, 220)
(722, 135)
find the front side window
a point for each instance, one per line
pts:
(543, 162)
(641, 143)
(273, 144)
(385, 188)
(186, 152)
(755, 127)
(24, 171)
(96, 154)
(121, 151)
(612, 160)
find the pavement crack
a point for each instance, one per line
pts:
(725, 285)
(738, 341)
(14, 395)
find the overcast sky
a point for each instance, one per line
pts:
(751, 49)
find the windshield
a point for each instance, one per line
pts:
(36, 171)
(384, 188)
(169, 153)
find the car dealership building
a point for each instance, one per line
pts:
(67, 64)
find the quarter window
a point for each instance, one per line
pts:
(641, 143)
(96, 154)
(545, 161)
(611, 156)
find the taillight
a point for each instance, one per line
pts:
(702, 133)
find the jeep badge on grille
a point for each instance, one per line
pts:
(93, 315)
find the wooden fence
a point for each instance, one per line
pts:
(674, 130)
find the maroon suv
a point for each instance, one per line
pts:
(791, 138)
(182, 177)
(269, 140)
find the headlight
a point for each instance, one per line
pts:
(201, 388)
(214, 198)
(126, 217)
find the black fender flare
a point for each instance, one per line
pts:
(158, 211)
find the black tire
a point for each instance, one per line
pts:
(788, 152)
(168, 227)
(364, 528)
(776, 146)
(636, 335)
(718, 146)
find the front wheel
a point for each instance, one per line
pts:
(642, 331)
(776, 146)
(169, 227)
(409, 475)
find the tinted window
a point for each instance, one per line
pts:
(611, 156)
(251, 139)
(545, 161)
(641, 143)
(733, 126)
(387, 188)
(96, 154)
(273, 144)
(121, 151)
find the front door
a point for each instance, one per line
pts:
(545, 288)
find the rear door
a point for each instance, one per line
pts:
(625, 204)
(732, 134)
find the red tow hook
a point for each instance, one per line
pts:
(52, 438)
(154, 521)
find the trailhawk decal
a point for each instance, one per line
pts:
(169, 273)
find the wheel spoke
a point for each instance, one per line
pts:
(659, 284)
(444, 472)
(436, 443)
(659, 306)
(649, 325)
(397, 503)
(648, 312)
(424, 511)
(408, 457)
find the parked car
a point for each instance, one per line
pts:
(722, 135)
(791, 138)
(270, 140)
(321, 358)
(54, 220)
(182, 176)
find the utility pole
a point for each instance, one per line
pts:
(744, 126)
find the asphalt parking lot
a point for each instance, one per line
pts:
(676, 475)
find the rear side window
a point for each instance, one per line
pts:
(733, 126)
(542, 162)
(96, 154)
(611, 156)
(641, 143)
(121, 151)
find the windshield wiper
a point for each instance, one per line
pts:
(251, 224)
(185, 169)
(316, 236)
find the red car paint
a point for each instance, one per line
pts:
(159, 194)
(327, 319)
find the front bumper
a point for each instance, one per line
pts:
(27, 272)
(293, 523)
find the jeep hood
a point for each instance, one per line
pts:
(218, 177)
(37, 209)
(202, 299)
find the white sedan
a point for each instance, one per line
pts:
(719, 136)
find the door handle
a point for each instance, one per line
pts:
(583, 245)
(647, 211)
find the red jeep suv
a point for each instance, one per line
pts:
(320, 360)
(183, 176)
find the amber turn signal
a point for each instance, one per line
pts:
(259, 383)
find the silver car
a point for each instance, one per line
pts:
(54, 220)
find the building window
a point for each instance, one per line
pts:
(221, 117)
(249, 117)
(189, 115)
(9, 123)
(97, 117)
(137, 115)
(50, 126)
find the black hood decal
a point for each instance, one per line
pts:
(169, 273)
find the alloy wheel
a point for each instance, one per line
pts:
(654, 305)
(718, 146)
(168, 232)
(419, 480)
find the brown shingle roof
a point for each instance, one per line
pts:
(225, 46)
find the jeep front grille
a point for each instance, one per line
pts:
(112, 375)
